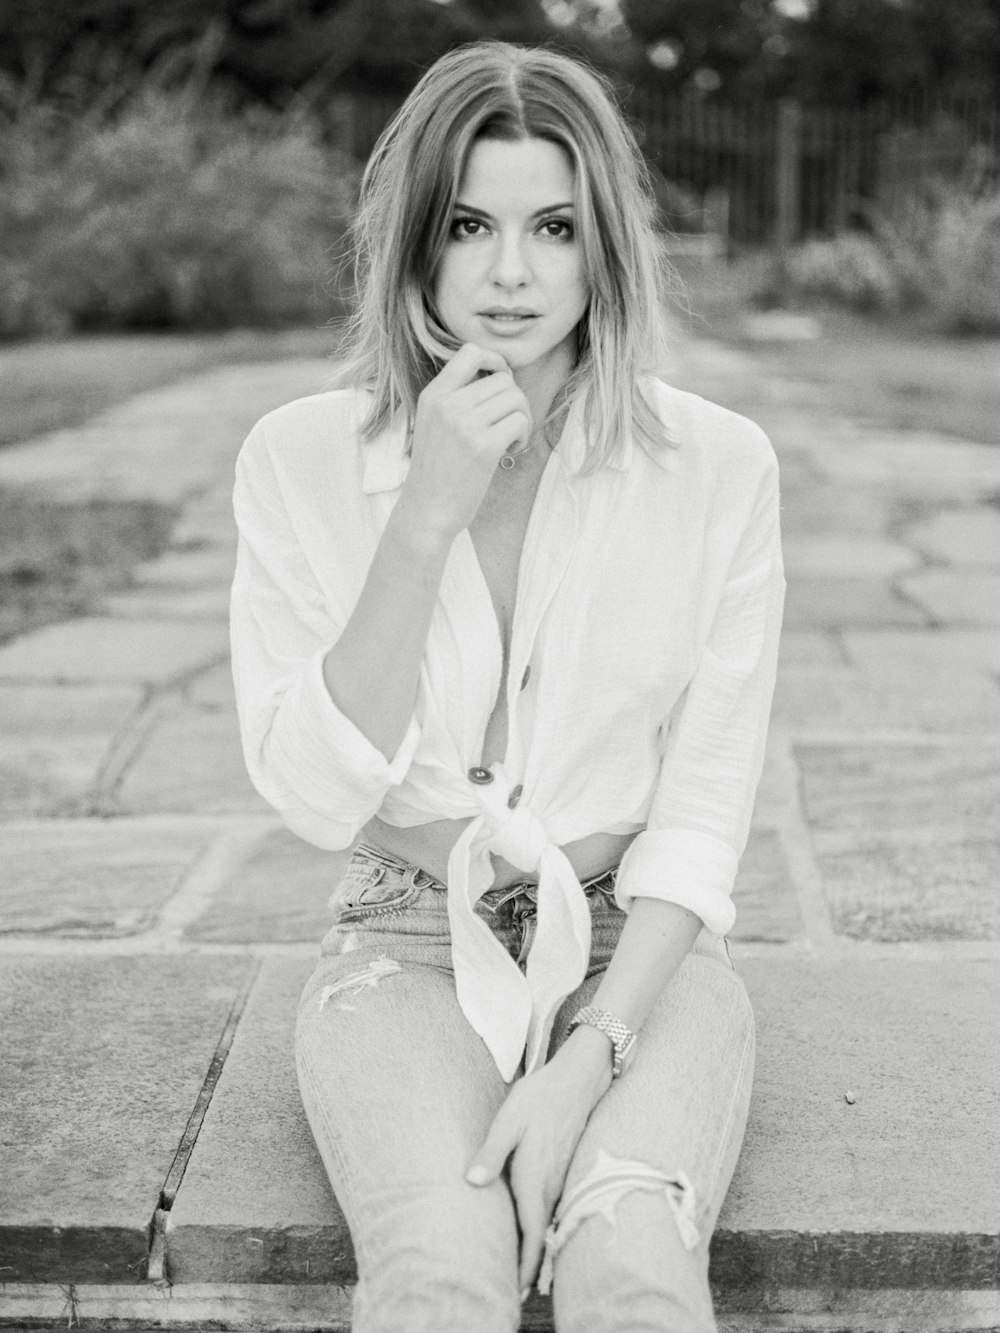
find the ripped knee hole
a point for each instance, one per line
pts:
(598, 1193)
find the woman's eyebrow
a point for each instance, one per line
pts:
(481, 213)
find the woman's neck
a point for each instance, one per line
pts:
(541, 381)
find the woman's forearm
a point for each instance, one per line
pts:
(656, 938)
(373, 669)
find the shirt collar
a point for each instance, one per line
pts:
(386, 462)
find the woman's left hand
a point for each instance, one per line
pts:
(540, 1123)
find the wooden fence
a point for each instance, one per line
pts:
(776, 171)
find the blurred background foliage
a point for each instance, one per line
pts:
(183, 164)
(176, 210)
(824, 51)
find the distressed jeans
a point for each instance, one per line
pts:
(400, 1093)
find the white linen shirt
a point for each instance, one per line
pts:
(642, 663)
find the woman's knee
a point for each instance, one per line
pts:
(633, 1268)
(444, 1261)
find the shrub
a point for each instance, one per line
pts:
(170, 209)
(852, 269)
(947, 241)
(939, 252)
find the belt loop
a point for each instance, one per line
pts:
(418, 878)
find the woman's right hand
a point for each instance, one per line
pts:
(470, 414)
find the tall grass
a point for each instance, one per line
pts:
(165, 206)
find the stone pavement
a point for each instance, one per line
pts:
(157, 921)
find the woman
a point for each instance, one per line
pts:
(505, 616)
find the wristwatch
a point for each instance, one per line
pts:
(623, 1039)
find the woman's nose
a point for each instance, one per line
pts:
(510, 265)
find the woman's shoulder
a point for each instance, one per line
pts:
(710, 434)
(331, 417)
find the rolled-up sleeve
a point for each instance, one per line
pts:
(699, 818)
(305, 757)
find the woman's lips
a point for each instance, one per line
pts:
(503, 322)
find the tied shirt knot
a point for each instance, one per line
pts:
(516, 834)
(513, 1011)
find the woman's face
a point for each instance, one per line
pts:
(511, 277)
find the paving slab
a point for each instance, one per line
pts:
(212, 564)
(836, 603)
(905, 838)
(940, 649)
(787, 411)
(916, 464)
(892, 1190)
(782, 326)
(824, 508)
(920, 697)
(777, 791)
(212, 689)
(97, 648)
(898, 1189)
(767, 905)
(94, 878)
(101, 1064)
(254, 1204)
(53, 740)
(191, 761)
(209, 518)
(964, 537)
(166, 444)
(844, 555)
(278, 894)
(169, 604)
(810, 648)
(799, 472)
(956, 597)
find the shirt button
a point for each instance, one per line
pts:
(514, 797)
(480, 775)
(527, 676)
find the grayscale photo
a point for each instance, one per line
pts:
(500, 666)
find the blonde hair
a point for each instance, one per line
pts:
(395, 343)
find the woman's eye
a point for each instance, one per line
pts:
(464, 227)
(561, 228)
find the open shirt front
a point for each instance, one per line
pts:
(642, 663)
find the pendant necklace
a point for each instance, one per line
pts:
(509, 460)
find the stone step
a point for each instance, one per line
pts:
(325, 1308)
(865, 1183)
(102, 1064)
(892, 1188)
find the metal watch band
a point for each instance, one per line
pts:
(622, 1038)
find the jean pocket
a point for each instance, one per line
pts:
(370, 890)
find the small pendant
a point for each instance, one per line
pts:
(506, 462)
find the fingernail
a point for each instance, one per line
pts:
(525, 1294)
(477, 1175)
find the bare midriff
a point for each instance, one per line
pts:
(429, 846)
